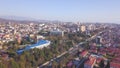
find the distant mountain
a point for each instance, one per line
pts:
(26, 19)
(17, 18)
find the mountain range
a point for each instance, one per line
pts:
(25, 19)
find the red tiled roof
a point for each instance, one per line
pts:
(116, 60)
(90, 61)
(114, 65)
(83, 53)
(98, 60)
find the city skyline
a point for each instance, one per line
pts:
(83, 11)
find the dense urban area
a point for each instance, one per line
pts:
(71, 44)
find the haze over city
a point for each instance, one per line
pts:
(59, 34)
(107, 11)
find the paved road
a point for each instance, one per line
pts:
(81, 62)
(49, 62)
(73, 49)
(84, 58)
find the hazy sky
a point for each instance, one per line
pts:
(63, 10)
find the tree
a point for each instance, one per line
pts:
(54, 65)
(101, 64)
(2, 65)
(22, 61)
(108, 65)
(13, 64)
(28, 65)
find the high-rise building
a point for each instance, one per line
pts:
(57, 32)
(83, 28)
(91, 27)
(98, 40)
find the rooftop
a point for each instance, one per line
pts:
(39, 43)
(90, 61)
(114, 65)
(83, 53)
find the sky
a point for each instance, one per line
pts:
(63, 10)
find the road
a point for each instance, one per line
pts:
(48, 62)
(86, 57)
(81, 62)
(71, 50)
